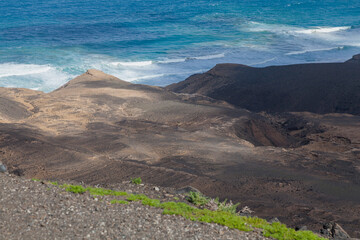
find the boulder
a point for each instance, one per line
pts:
(334, 231)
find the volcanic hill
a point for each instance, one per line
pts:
(300, 167)
(316, 87)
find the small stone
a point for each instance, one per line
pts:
(3, 168)
(168, 195)
(274, 220)
(156, 189)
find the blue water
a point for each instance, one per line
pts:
(43, 44)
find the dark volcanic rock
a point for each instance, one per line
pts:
(318, 88)
(354, 59)
(334, 231)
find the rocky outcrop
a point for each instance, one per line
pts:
(354, 59)
(334, 231)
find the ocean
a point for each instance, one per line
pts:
(43, 44)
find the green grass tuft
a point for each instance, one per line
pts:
(54, 183)
(35, 180)
(136, 197)
(119, 202)
(205, 215)
(91, 190)
(197, 198)
(227, 207)
(103, 192)
(74, 188)
(151, 202)
(225, 215)
(136, 180)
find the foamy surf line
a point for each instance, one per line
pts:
(46, 77)
(175, 60)
(14, 69)
(133, 64)
(205, 57)
(323, 30)
(313, 50)
(288, 29)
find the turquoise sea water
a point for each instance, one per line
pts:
(43, 44)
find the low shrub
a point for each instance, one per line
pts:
(136, 180)
(197, 199)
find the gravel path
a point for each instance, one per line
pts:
(37, 210)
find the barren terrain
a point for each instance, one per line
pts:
(300, 167)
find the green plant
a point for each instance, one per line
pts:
(74, 188)
(225, 215)
(205, 215)
(227, 206)
(103, 192)
(176, 198)
(93, 191)
(54, 183)
(197, 198)
(136, 180)
(136, 197)
(35, 180)
(119, 202)
(151, 202)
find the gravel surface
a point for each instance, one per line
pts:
(39, 210)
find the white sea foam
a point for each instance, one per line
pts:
(175, 60)
(133, 64)
(264, 27)
(286, 29)
(47, 77)
(13, 69)
(323, 30)
(207, 57)
(313, 50)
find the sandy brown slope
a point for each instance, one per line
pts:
(316, 87)
(301, 168)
